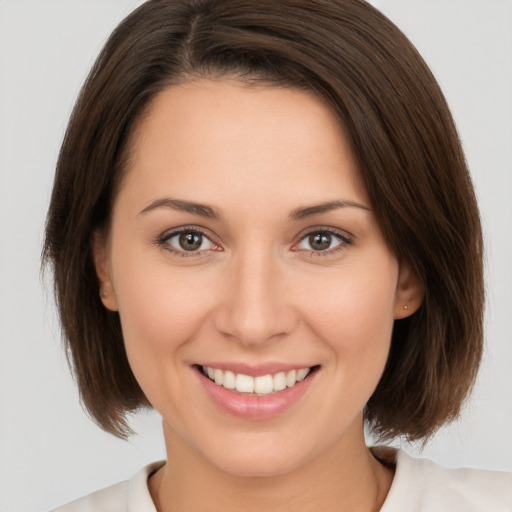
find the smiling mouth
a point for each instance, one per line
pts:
(256, 386)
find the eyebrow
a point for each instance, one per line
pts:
(310, 211)
(202, 210)
(209, 212)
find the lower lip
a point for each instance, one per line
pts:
(255, 407)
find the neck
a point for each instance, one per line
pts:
(346, 478)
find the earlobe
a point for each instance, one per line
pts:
(410, 292)
(99, 254)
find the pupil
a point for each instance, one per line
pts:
(320, 241)
(190, 241)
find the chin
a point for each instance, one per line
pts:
(262, 466)
(258, 457)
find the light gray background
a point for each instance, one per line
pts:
(50, 452)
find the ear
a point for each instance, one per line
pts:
(101, 264)
(410, 292)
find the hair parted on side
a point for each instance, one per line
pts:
(403, 138)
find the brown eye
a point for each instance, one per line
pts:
(320, 241)
(323, 242)
(190, 241)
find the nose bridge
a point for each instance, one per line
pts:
(256, 304)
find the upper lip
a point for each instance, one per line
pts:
(255, 370)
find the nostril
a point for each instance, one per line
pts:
(253, 324)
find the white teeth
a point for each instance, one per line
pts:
(262, 385)
(229, 380)
(218, 375)
(280, 381)
(244, 383)
(291, 378)
(301, 374)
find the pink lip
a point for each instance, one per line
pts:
(254, 407)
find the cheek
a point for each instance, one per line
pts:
(161, 310)
(354, 315)
(356, 301)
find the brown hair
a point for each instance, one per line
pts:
(403, 138)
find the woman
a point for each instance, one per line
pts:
(262, 225)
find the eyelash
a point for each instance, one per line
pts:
(344, 238)
(163, 241)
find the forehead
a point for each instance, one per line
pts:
(212, 134)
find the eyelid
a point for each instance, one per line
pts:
(345, 238)
(163, 241)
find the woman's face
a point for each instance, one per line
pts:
(242, 240)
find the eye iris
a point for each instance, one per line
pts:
(190, 241)
(320, 241)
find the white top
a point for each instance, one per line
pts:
(419, 485)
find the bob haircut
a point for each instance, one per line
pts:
(402, 136)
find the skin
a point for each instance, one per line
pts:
(255, 291)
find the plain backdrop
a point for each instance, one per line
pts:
(50, 452)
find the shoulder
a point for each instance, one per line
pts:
(125, 496)
(421, 484)
(113, 499)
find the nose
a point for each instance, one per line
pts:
(256, 304)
